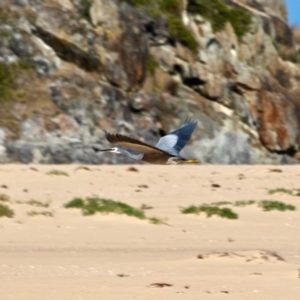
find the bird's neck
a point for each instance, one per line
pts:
(132, 155)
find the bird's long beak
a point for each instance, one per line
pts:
(102, 150)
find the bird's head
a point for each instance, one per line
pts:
(112, 150)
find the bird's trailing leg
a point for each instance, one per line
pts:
(192, 161)
(182, 160)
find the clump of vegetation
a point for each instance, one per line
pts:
(171, 11)
(181, 33)
(218, 13)
(34, 203)
(8, 76)
(75, 203)
(215, 209)
(292, 192)
(93, 205)
(244, 203)
(281, 191)
(268, 205)
(236, 203)
(7, 81)
(40, 213)
(210, 210)
(137, 2)
(57, 172)
(219, 203)
(158, 221)
(173, 7)
(85, 6)
(6, 211)
(151, 65)
(4, 198)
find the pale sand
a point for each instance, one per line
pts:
(70, 256)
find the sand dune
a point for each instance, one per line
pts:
(56, 253)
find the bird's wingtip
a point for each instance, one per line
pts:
(189, 121)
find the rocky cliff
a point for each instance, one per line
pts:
(71, 69)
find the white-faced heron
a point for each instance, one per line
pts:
(166, 150)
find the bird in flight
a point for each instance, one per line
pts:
(166, 150)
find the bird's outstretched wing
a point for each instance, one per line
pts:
(174, 141)
(131, 143)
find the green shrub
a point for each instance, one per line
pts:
(85, 6)
(137, 2)
(169, 9)
(210, 210)
(5, 211)
(170, 6)
(34, 203)
(158, 221)
(281, 191)
(93, 205)
(75, 203)
(181, 34)
(218, 13)
(151, 65)
(268, 205)
(7, 81)
(40, 213)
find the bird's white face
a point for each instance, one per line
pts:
(114, 150)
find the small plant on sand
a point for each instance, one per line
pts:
(215, 209)
(57, 172)
(244, 203)
(280, 191)
(93, 205)
(220, 203)
(35, 203)
(5, 211)
(240, 203)
(40, 213)
(4, 198)
(268, 205)
(158, 221)
(210, 210)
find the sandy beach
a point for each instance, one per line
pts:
(57, 253)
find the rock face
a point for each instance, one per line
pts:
(71, 69)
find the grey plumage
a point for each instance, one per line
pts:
(174, 142)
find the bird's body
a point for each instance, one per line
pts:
(165, 152)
